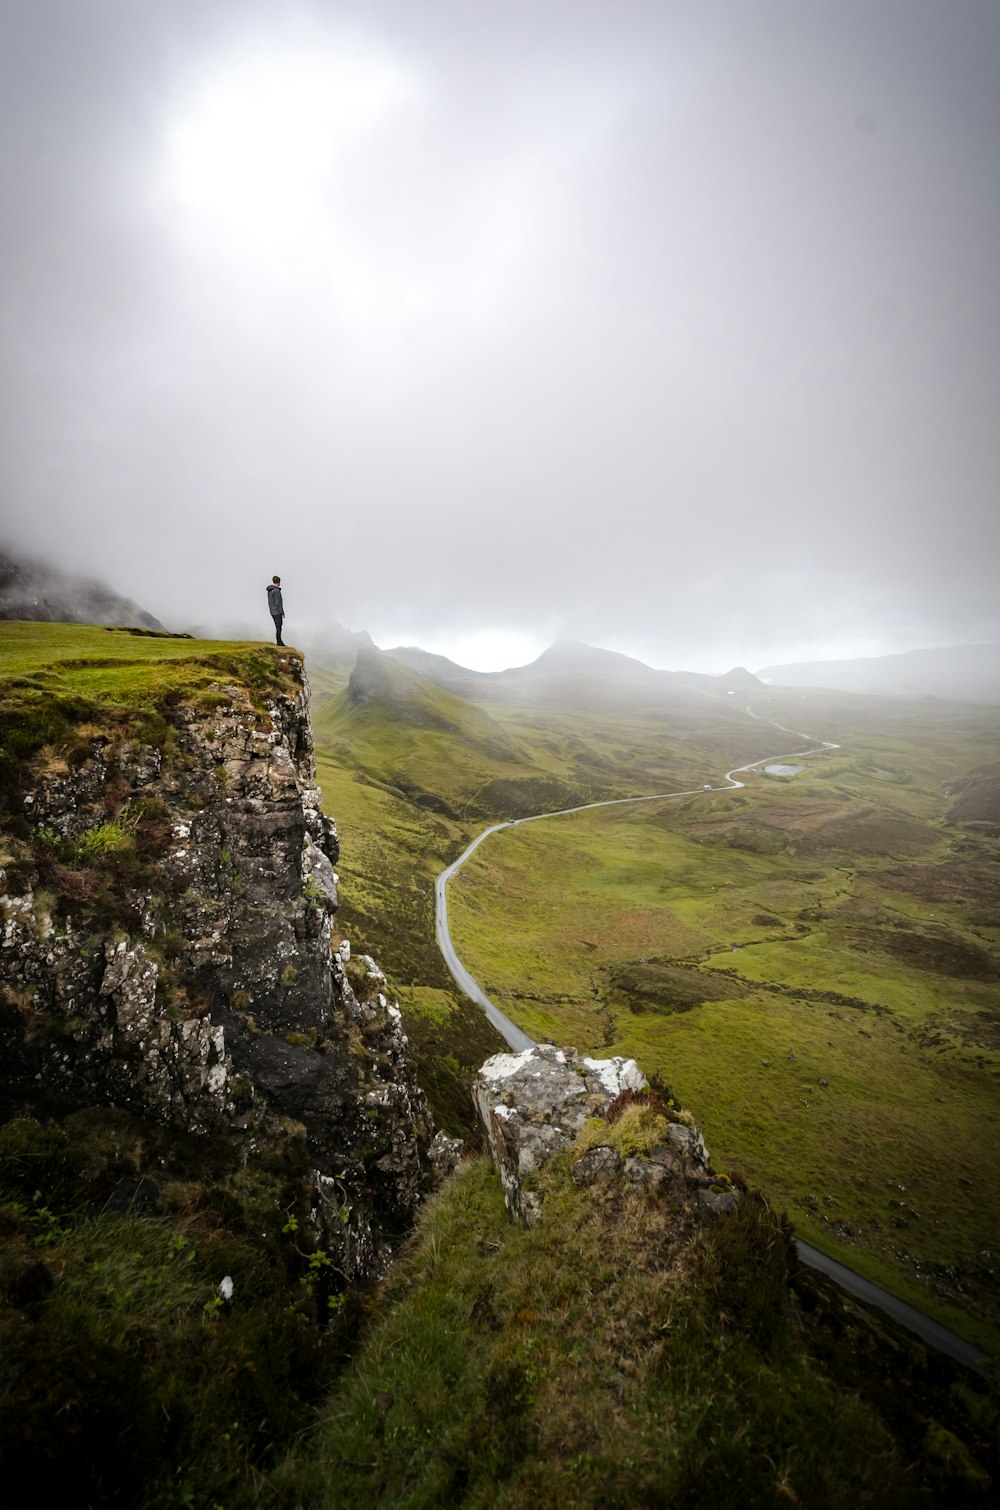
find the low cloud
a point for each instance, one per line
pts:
(672, 329)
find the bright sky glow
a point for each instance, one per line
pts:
(256, 147)
(483, 650)
(670, 329)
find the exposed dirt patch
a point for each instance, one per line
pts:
(978, 796)
(939, 951)
(824, 829)
(861, 832)
(978, 1030)
(522, 797)
(757, 838)
(659, 986)
(972, 881)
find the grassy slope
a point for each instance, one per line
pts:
(61, 679)
(619, 1355)
(412, 773)
(803, 893)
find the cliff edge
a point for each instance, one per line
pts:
(167, 902)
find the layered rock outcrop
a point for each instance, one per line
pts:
(534, 1104)
(210, 995)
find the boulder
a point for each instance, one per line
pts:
(597, 1166)
(533, 1104)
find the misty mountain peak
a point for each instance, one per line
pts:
(575, 656)
(31, 590)
(378, 678)
(740, 676)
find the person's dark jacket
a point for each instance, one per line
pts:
(274, 602)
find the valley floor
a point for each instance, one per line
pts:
(811, 963)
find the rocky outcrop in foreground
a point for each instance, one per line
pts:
(167, 946)
(534, 1104)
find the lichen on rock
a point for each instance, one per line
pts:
(536, 1104)
(166, 944)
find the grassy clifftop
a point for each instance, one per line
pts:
(69, 692)
(55, 678)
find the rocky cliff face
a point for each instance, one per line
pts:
(167, 945)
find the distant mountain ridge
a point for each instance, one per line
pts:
(960, 673)
(569, 670)
(381, 686)
(30, 590)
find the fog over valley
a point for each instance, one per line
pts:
(672, 329)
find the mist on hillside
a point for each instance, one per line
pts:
(31, 590)
(669, 329)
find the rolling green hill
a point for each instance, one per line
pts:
(814, 964)
(402, 730)
(811, 963)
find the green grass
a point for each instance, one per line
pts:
(616, 1355)
(855, 927)
(128, 1379)
(58, 679)
(836, 974)
(116, 668)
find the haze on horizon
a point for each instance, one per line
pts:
(666, 327)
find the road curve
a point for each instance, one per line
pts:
(929, 1331)
(509, 1031)
(463, 979)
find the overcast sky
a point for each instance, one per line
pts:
(669, 327)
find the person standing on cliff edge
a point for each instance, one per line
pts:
(276, 606)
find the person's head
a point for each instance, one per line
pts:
(276, 579)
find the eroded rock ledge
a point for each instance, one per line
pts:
(535, 1104)
(214, 998)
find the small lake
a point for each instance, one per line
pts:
(784, 770)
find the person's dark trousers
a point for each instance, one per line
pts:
(277, 617)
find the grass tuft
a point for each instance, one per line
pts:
(617, 1354)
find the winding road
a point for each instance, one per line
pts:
(509, 1031)
(928, 1330)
